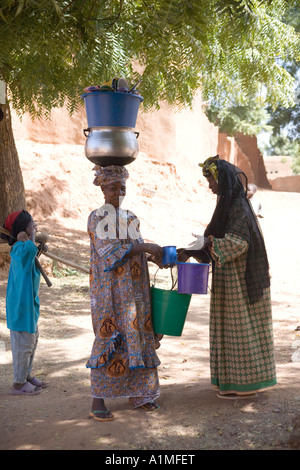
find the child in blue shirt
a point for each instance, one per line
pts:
(22, 301)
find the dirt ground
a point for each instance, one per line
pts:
(191, 416)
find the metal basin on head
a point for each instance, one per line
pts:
(106, 146)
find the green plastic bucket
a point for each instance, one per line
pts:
(169, 310)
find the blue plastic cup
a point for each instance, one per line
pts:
(169, 255)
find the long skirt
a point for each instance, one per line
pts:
(117, 380)
(241, 334)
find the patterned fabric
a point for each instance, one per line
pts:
(209, 167)
(241, 336)
(110, 174)
(234, 214)
(123, 361)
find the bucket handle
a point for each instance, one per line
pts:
(173, 282)
(89, 130)
(172, 277)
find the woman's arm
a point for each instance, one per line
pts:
(155, 252)
(227, 249)
(200, 255)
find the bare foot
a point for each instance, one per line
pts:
(150, 406)
(99, 411)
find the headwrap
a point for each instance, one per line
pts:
(10, 220)
(110, 174)
(209, 167)
(233, 214)
(15, 223)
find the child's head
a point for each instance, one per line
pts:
(17, 222)
(22, 237)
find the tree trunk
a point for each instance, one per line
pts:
(12, 191)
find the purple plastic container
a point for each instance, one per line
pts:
(192, 278)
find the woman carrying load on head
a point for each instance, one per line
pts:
(241, 338)
(123, 360)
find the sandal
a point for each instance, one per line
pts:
(37, 383)
(26, 389)
(150, 406)
(234, 396)
(101, 412)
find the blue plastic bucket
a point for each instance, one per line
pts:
(169, 255)
(108, 108)
(192, 278)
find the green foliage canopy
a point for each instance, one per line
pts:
(285, 121)
(51, 49)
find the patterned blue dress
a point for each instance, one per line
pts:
(123, 360)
